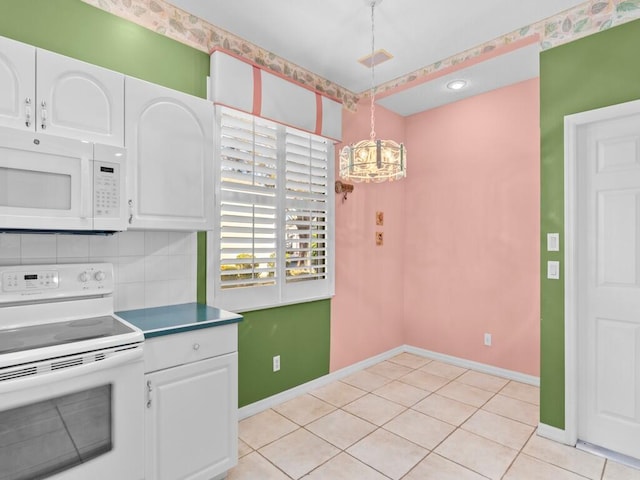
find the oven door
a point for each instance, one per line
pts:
(45, 182)
(76, 417)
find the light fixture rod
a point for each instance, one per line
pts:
(372, 135)
(373, 160)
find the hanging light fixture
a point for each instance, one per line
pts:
(373, 160)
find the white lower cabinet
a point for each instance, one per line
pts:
(191, 420)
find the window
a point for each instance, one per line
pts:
(275, 214)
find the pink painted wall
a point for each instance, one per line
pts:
(471, 254)
(366, 312)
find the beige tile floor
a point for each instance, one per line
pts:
(412, 418)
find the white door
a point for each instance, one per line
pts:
(79, 100)
(17, 84)
(608, 283)
(191, 422)
(170, 144)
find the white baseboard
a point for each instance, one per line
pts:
(480, 367)
(272, 401)
(552, 433)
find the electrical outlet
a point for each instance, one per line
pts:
(553, 270)
(487, 339)
(553, 242)
(276, 363)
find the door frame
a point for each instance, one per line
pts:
(572, 124)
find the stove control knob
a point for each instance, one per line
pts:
(99, 275)
(84, 277)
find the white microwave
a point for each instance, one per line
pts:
(50, 183)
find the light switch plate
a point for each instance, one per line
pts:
(553, 270)
(553, 242)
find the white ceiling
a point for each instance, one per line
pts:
(327, 37)
(507, 69)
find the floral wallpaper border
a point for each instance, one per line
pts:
(585, 19)
(166, 19)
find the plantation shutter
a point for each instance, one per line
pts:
(306, 206)
(248, 201)
(275, 212)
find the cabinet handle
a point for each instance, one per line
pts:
(43, 115)
(27, 111)
(130, 211)
(149, 390)
(196, 346)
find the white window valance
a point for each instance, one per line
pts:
(243, 86)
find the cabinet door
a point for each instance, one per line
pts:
(191, 422)
(17, 84)
(169, 137)
(79, 100)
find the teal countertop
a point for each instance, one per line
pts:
(158, 321)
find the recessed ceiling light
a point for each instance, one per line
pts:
(457, 84)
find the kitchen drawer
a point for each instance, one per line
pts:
(180, 348)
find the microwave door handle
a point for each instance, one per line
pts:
(118, 359)
(85, 184)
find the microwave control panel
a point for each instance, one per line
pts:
(106, 194)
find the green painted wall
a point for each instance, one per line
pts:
(298, 333)
(81, 31)
(594, 72)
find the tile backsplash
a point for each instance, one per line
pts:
(152, 268)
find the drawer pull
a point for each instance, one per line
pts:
(196, 346)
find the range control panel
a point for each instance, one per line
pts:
(17, 281)
(20, 282)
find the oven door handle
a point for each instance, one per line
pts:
(39, 380)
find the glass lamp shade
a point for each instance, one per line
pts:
(373, 161)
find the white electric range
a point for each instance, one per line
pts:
(71, 376)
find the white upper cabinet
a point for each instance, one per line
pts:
(79, 100)
(169, 138)
(17, 84)
(47, 92)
